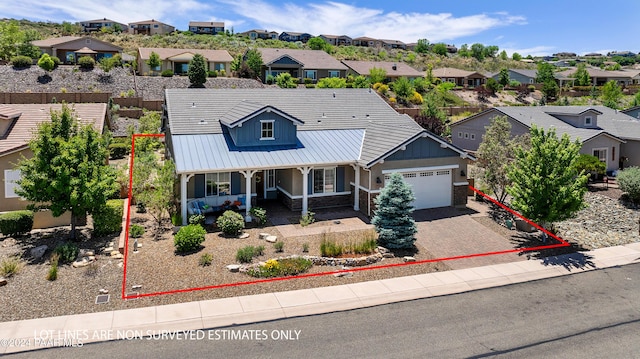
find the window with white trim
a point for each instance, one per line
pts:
(466, 135)
(324, 180)
(270, 179)
(218, 184)
(587, 121)
(459, 134)
(334, 73)
(473, 136)
(310, 74)
(266, 130)
(601, 153)
(10, 185)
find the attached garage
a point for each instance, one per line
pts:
(432, 187)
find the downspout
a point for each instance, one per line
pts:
(368, 193)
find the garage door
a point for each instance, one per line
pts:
(431, 188)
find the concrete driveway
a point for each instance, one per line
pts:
(450, 232)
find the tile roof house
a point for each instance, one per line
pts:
(18, 122)
(150, 27)
(70, 48)
(98, 24)
(312, 64)
(393, 69)
(459, 77)
(177, 60)
(307, 149)
(605, 133)
(206, 27)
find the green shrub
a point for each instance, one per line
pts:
(212, 73)
(366, 246)
(329, 248)
(53, 271)
(305, 247)
(118, 150)
(259, 250)
(260, 214)
(176, 219)
(196, 219)
(206, 259)
(67, 252)
(167, 73)
(141, 207)
(21, 62)
(629, 181)
(108, 219)
(136, 231)
(86, 62)
(246, 254)
(16, 222)
(222, 73)
(11, 266)
(56, 61)
(270, 79)
(230, 223)
(189, 238)
(279, 247)
(281, 267)
(307, 219)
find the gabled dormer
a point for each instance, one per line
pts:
(587, 118)
(252, 124)
(8, 117)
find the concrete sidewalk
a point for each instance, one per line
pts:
(41, 333)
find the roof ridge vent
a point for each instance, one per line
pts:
(193, 105)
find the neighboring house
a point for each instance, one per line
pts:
(621, 53)
(393, 69)
(18, 122)
(307, 149)
(527, 77)
(97, 25)
(177, 60)
(605, 133)
(600, 77)
(70, 48)
(562, 55)
(364, 41)
(593, 54)
(294, 36)
(260, 34)
(633, 112)
(150, 27)
(459, 77)
(391, 44)
(337, 40)
(311, 64)
(206, 27)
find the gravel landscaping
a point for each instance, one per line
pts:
(68, 78)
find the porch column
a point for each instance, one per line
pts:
(356, 194)
(184, 179)
(247, 186)
(305, 188)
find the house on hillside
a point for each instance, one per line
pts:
(526, 77)
(364, 41)
(600, 77)
(391, 44)
(305, 149)
(177, 60)
(633, 112)
(97, 25)
(260, 34)
(394, 70)
(459, 77)
(290, 36)
(70, 48)
(17, 125)
(150, 27)
(605, 133)
(336, 40)
(206, 27)
(311, 64)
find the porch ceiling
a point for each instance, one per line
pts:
(216, 152)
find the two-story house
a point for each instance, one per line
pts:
(336, 40)
(289, 36)
(305, 149)
(98, 24)
(206, 27)
(150, 27)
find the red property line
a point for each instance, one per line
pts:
(562, 243)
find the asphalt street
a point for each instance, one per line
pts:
(594, 314)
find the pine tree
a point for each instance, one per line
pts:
(546, 187)
(67, 171)
(197, 71)
(392, 220)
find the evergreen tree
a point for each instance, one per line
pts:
(67, 171)
(392, 220)
(504, 77)
(46, 63)
(546, 186)
(611, 94)
(582, 75)
(253, 59)
(197, 71)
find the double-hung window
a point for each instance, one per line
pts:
(601, 153)
(324, 180)
(267, 130)
(271, 179)
(10, 185)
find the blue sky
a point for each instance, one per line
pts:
(528, 27)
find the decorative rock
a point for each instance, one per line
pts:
(382, 250)
(409, 259)
(137, 286)
(82, 262)
(116, 255)
(120, 264)
(271, 239)
(342, 274)
(388, 255)
(104, 291)
(263, 235)
(38, 251)
(3, 281)
(244, 235)
(234, 268)
(107, 250)
(86, 253)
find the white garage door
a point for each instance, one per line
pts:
(431, 188)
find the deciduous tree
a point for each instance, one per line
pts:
(377, 75)
(582, 75)
(154, 61)
(611, 94)
(392, 219)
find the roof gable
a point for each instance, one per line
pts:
(247, 110)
